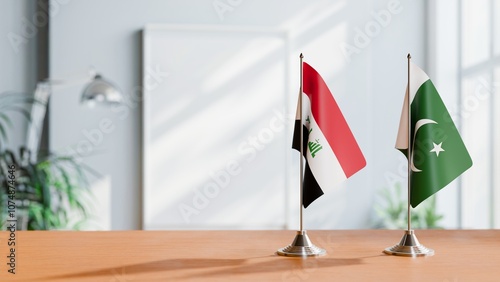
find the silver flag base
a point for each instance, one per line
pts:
(409, 247)
(301, 247)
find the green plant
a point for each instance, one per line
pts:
(51, 192)
(392, 211)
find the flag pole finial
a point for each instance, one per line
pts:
(409, 56)
(301, 56)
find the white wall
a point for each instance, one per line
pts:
(369, 86)
(17, 57)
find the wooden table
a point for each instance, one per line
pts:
(354, 255)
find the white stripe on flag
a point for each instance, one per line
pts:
(324, 166)
(417, 78)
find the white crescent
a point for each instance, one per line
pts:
(419, 124)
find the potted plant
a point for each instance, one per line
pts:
(392, 211)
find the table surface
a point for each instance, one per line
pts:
(353, 255)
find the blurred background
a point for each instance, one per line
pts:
(201, 136)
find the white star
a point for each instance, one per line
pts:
(437, 148)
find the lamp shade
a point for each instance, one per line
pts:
(101, 91)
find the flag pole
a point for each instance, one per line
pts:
(409, 246)
(408, 103)
(301, 245)
(301, 206)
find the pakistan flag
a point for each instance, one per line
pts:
(437, 152)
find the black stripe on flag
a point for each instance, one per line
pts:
(312, 191)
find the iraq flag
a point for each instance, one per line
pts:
(438, 154)
(330, 150)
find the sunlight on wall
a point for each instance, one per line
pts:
(230, 66)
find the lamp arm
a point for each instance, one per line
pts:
(38, 111)
(63, 83)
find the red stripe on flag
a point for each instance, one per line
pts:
(332, 123)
